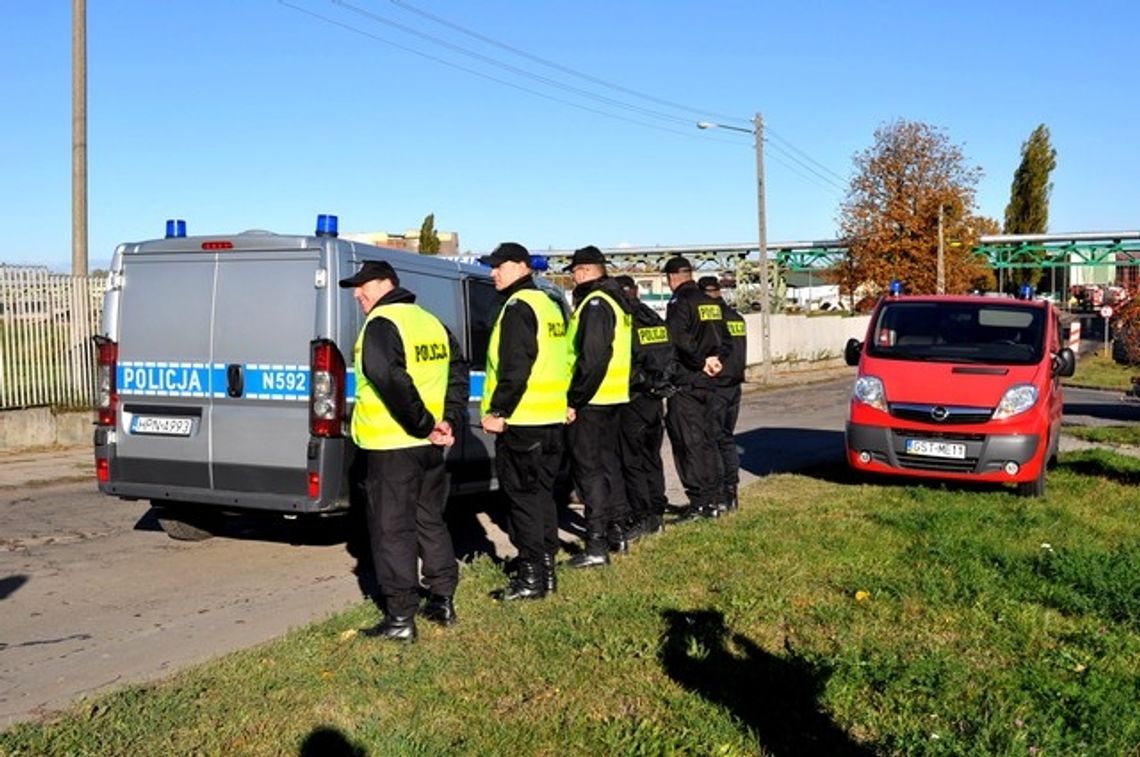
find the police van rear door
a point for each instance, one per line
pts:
(265, 313)
(164, 368)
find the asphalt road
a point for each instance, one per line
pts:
(94, 595)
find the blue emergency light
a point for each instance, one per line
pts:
(1026, 292)
(539, 263)
(175, 227)
(896, 287)
(326, 225)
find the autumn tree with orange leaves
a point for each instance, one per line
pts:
(890, 215)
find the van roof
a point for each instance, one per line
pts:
(264, 241)
(984, 299)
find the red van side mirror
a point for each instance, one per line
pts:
(852, 351)
(1064, 363)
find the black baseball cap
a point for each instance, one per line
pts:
(507, 251)
(625, 282)
(677, 265)
(587, 254)
(372, 269)
(708, 282)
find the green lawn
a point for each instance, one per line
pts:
(828, 616)
(1096, 370)
(1125, 436)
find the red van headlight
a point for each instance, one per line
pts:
(1016, 400)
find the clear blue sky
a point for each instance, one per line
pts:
(239, 114)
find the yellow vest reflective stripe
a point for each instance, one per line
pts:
(544, 399)
(615, 386)
(427, 353)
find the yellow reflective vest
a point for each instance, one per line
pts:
(614, 389)
(427, 355)
(544, 400)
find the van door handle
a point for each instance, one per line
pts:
(235, 380)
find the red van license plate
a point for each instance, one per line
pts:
(935, 449)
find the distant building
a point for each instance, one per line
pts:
(409, 240)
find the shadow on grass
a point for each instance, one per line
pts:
(776, 698)
(1101, 467)
(327, 741)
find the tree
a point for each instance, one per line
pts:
(1028, 208)
(429, 240)
(890, 214)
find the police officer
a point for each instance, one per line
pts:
(411, 399)
(600, 353)
(726, 393)
(693, 320)
(524, 405)
(642, 420)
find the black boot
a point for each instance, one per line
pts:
(616, 539)
(393, 628)
(731, 503)
(548, 574)
(692, 512)
(528, 582)
(440, 608)
(595, 554)
(711, 510)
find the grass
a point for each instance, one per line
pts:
(1097, 371)
(1124, 436)
(828, 616)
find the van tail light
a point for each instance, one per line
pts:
(314, 485)
(326, 393)
(102, 469)
(106, 392)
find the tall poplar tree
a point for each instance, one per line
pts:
(429, 240)
(1028, 208)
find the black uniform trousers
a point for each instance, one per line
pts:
(594, 452)
(689, 422)
(726, 409)
(526, 462)
(642, 431)
(407, 492)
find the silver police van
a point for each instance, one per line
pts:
(225, 371)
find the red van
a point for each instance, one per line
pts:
(959, 387)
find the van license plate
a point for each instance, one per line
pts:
(936, 449)
(151, 424)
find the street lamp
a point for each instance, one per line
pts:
(757, 131)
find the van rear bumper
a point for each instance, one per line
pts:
(986, 454)
(283, 490)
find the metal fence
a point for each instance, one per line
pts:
(47, 321)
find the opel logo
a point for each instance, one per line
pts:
(939, 413)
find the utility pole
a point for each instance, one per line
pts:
(78, 137)
(762, 225)
(940, 286)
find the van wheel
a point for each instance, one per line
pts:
(1034, 488)
(182, 525)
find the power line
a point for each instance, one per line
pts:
(811, 164)
(465, 69)
(821, 166)
(507, 66)
(559, 67)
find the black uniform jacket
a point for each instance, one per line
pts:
(595, 339)
(518, 349)
(733, 371)
(385, 364)
(694, 339)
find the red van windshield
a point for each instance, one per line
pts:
(963, 332)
